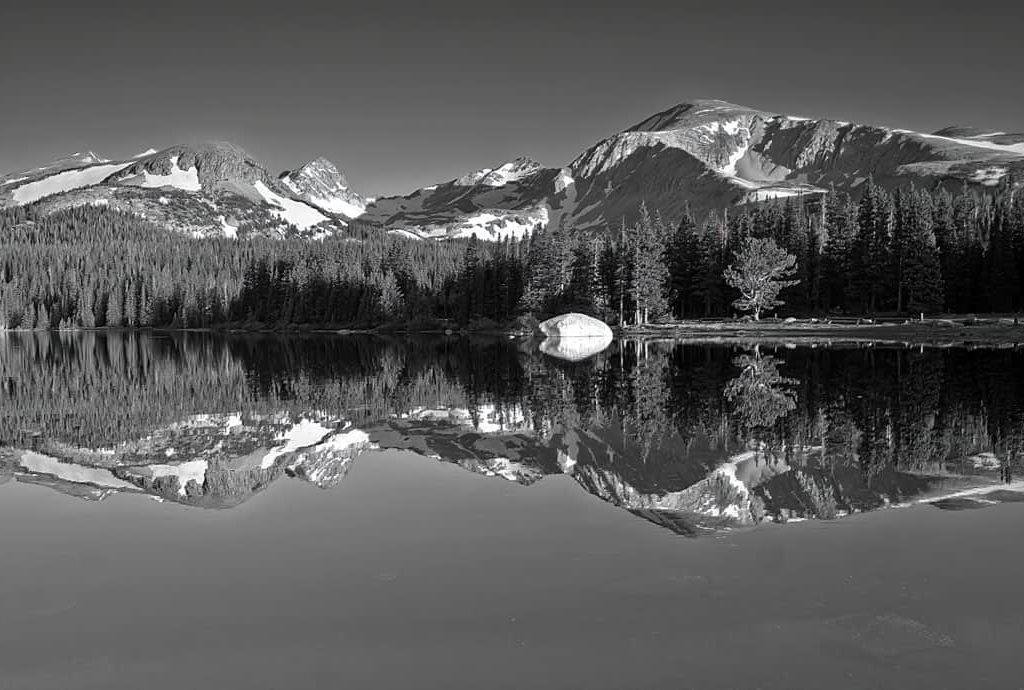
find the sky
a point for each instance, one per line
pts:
(404, 94)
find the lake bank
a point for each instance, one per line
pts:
(935, 332)
(944, 332)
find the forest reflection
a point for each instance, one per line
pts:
(694, 437)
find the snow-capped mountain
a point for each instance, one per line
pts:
(321, 184)
(213, 189)
(712, 154)
(707, 154)
(509, 200)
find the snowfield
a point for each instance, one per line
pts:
(64, 182)
(229, 230)
(349, 210)
(490, 226)
(989, 177)
(1012, 149)
(299, 214)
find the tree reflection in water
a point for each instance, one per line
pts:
(760, 395)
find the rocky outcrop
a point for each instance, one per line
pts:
(217, 165)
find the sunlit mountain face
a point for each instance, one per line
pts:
(694, 438)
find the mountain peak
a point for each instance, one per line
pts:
(696, 113)
(509, 171)
(320, 183)
(322, 168)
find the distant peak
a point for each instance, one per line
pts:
(320, 169)
(509, 171)
(88, 157)
(321, 162)
(696, 112)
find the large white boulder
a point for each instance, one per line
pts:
(574, 325)
(574, 336)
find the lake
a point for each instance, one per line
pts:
(197, 510)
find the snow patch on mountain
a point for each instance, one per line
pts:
(345, 208)
(186, 180)
(1011, 149)
(989, 177)
(510, 171)
(491, 226)
(71, 472)
(229, 230)
(565, 182)
(299, 214)
(64, 182)
(147, 152)
(770, 193)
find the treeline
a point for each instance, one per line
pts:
(909, 251)
(91, 267)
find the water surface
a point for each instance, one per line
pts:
(205, 511)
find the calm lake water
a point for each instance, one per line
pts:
(259, 512)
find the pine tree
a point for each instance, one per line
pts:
(684, 264)
(920, 273)
(649, 274)
(872, 252)
(840, 242)
(761, 270)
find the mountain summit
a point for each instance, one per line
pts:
(320, 183)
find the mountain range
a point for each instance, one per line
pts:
(219, 461)
(704, 154)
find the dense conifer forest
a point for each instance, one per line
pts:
(905, 252)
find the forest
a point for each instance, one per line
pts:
(910, 251)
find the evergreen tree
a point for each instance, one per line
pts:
(760, 272)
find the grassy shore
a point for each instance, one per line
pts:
(946, 331)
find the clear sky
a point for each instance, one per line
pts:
(404, 94)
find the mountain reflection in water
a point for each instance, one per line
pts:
(694, 438)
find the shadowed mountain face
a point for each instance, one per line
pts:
(706, 154)
(692, 438)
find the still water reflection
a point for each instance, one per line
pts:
(693, 438)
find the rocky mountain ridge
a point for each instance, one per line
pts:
(706, 154)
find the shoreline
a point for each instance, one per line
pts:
(946, 332)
